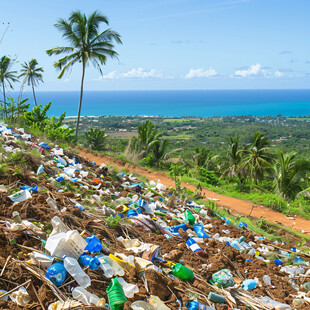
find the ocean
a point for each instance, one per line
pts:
(200, 103)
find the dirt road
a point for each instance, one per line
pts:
(235, 205)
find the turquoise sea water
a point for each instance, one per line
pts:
(179, 103)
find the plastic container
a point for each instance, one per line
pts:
(249, 284)
(277, 305)
(195, 305)
(41, 259)
(75, 270)
(66, 244)
(92, 263)
(223, 278)
(193, 245)
(116, 295)
(129, 289)
(216, 298)
(106, 267)
(79, 293)
(157, 303)
(131, 213)
(93, 244)
(59, 179)
(175, 229)
(182, 272)
(56, 273)
(190, 217)
(117, 269)
(139, 304)
(58, 226)
(199, 230)
(52, 203)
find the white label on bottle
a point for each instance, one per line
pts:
(195, 247)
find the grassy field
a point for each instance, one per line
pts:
(122, 135)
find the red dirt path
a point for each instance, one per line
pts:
(235, 205)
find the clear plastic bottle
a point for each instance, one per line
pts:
(75, 270)
(58, 226)
(157, 303)
(110, 266)
(139, 304)
(129, 289)
(52, 203)
(79, 293)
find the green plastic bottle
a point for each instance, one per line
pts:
(116, 295)
(190, 217)
(182, 272)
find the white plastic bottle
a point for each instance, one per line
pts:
(129, 289)
(79, 293)
(105, 266)
(75, 270)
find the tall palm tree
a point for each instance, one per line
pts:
(257, 157)
(6, 76)
(290, 176)
(86, 44)
(32, 75)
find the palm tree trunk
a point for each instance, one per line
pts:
(80, 104)
(34, 96)
(4, 101)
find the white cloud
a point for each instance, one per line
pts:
(134, 73)
(200, 73)
(253, 70)
(278, 74)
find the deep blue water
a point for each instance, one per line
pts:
(179, 103)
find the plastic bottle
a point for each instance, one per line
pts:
(236, 245)
(199, 230)
(42, 259)
(129, 289)
(79, 293)
(217, 298)
(249, 284)
(157, 303)
(193, 245)
(75, 270)
(52, 203)
(116, 295)
(105, 266)
(93, 244)
(182, 272)
(139, 304)
(189, 216)
(40, 170)
(93, 263)
(195, 305)
(56, 273)
(175, 229)
(59, 179)
(117, 269)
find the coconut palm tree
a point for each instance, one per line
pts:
(86, 44)
(290, 176)
(257, 157)
(6, 76)
(32, 75)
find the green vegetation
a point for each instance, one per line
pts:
(86, 44)
(96, 139)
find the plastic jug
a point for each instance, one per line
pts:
(190, 217)
(199, 230)
(195, 305)
(75, 270)
(56, 273)
(105, 266)
(93, 244)
(194, 246)
(93, 263)
(157, 303)
(182, 272)
(116, 295)
(117, 269)
(79, 293)
(129, 289)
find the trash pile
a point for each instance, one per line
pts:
(74, 235)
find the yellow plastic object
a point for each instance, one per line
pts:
(125, 265)
(169, 263)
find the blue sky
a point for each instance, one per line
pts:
(173, 44)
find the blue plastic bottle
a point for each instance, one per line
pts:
(194, 246)
(56, 273)
(175, 229)
(199, 230)
(132, 212)
(59, 179)
(92, 262)
(195, 305)
(94, 244)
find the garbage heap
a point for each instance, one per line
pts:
(75, 236)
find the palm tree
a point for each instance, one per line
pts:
(147, 133)
(257, 157)
(6, 76)
(32, 74)
(86, 44)
(290, 176)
